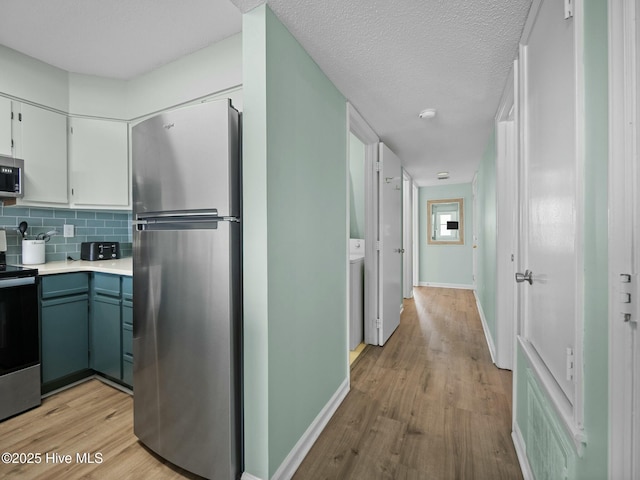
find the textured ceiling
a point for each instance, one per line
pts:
(391, 59)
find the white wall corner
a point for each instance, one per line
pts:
(521, 453)
(290, 464)
(485, 328)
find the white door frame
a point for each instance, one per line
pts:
(357, 125)
(416, 233)
(506, 223)
(474, 236)
(407, 235)
(624, 247)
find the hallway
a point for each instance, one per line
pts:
(428, 405)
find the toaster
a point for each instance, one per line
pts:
(99, 250)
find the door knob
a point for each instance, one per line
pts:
(527, 276)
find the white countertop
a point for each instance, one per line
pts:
(122, 266)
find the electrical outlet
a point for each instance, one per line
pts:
(68, 231)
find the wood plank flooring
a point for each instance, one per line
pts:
(89, 418)
(428, 405)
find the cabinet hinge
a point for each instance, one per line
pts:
(377, 166)
(11, 115)
(570, 364)
(568, 9)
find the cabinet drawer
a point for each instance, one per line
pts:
(127, 313)
(127, 339)
(106, 284)
(64, 284)
(127, 288)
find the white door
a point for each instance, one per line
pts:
(550, 226)
(624, 241)
(390, 235)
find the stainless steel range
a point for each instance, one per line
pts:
(19, 338)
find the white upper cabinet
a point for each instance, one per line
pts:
(99, 162)
(5, 126)
(40, 139)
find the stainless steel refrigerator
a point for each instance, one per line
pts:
(186, 287)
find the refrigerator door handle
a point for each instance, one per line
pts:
(212, 212)
(180, 222)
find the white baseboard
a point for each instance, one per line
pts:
(290, 464)
(485, 329)
(248, 476)
(521, 453)
(460, 286)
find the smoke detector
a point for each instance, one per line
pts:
(428, 113)
(443, 175)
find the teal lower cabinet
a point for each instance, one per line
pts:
(112, 327)
(64, 329)
(105, 336)
(87, 328)
(127, 330)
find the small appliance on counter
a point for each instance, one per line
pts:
(99, 251)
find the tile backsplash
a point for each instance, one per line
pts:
(89, 226)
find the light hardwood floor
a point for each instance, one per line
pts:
(89, 418)
(429, 405)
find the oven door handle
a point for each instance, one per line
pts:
(17, 282)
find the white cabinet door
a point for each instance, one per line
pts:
(5, 126)
(40, 138)
(99, 154)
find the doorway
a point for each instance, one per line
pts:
(365, 143)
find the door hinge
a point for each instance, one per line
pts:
(377, 166)
(626, 298)
(11, 115)
(378, 323)
(377, 245)
(568, 9)
(570, 364)
(71, 130)
(20, 117)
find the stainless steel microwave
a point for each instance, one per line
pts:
(11, 177)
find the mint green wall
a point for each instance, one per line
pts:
(486, 220)
(295, 207)
(594, 462)
(446, 264)
(356, 193)
(28, 78)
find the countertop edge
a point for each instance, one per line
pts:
(122, 266)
